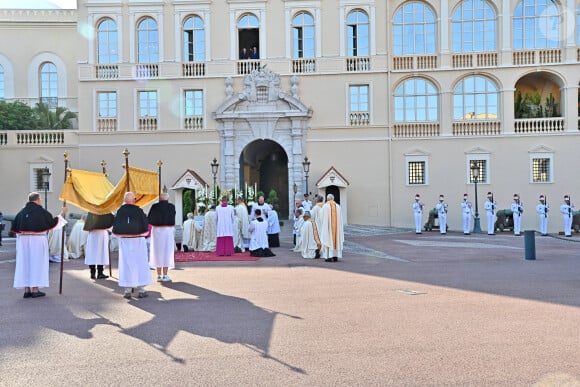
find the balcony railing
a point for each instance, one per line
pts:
(147, 123)
(487, 59)
(303, 66)
(246, 66)
(107, 71)
(539, 125)
(416, 129)
(422, 62)
(193, 69)
(359, 118)
(193, 123)
(534, 57)
(358, 63)
(476, 128)
(146, 70)
(3, 138)
(106, 124)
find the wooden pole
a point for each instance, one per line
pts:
(128, 183)
(159, 164)
(104, 166)
(66, 171)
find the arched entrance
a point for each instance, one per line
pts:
(332, 189)
(265, 163)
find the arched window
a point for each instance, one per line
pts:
(416, 99)
(303, 35)
(474, 27)
(49, 85)
(147, 41)
(475, 98)
(414, 30)
(107, 42)
(536, 25)
(2, 83)
(193, 39)
(249, 37)
(357, 33)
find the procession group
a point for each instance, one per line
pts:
(148, 242)
(490, 207)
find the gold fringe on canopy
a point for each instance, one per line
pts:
(92, 192)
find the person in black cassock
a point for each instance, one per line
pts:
(259, 240)
(130, 226)
(97, 247)
(30, 226)
(162, 218)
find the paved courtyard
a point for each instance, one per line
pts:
(399, 309)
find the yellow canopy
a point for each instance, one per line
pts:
(92, 192)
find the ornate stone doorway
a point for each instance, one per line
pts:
(265, 163)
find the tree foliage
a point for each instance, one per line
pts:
(17, 116)
(59, 118)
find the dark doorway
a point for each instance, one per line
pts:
(249, 37)
(189, 201)
(264, 163)
(332, 189)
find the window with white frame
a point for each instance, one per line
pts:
(357, 33)
(49, 85)
(39, 173)
(541, 166)
(107, 104)
(107, 42)
(193, 39)
(414, 29)
(482, 166)
(148, 41)
(359, 105)
(193, 104)
(303, 35)
(148, 106)
(416, 170)
(473, 26)
(476, 98)
(416, 99)
(536, 25)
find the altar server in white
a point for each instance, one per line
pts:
(97, 249)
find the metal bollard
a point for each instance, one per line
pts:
(530, 244)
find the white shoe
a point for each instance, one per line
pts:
(159, 278)
(165, 278)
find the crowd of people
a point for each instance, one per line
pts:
(490, 207)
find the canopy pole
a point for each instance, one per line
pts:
(159, 164)
(104, 167)
(66, 171)
(128, 182)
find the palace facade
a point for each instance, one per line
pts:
(385, 99)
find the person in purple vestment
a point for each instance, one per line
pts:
(224, 214)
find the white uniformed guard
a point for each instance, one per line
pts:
(418, 213)
(567, 210)
(490, 206)
(542, 209)
(442, 214)
(466, 214)
(517, 210)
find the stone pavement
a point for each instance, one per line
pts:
(399, 309)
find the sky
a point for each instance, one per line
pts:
(38, 4)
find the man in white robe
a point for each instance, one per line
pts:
(162, 250)
(30, 226)
(191, 234)
(310, 239)
(77, 239)
(259, 239)
(55, 245)
(273, 227)
(297, 226)
(244, 218)
(97, 248)
(332, 233)
(224, 215)
(131, 226)
(209, 231)
(316, 211)
(262, 206)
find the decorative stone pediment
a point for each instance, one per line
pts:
(477, 150)
(541, 149)
(42, 159)
(417, 152)
(332, 177)
(189, 179)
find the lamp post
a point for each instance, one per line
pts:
(214, 171)
(475, 174)
(45, 182)
(306, 166)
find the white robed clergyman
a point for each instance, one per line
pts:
(332, 233)
(55, 245)
(310, 239)
(298, 226)
(77, 239)
(191, 234)
(244, 219)
(209, 231)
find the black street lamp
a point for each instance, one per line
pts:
(214, 170)
(45, 184)
(306, 166)
(475, 174)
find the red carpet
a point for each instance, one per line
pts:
(192, 256)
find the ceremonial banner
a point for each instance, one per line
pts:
(92, 192)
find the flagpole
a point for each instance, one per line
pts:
(66, 155)
(104, 166)
(128, 182)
